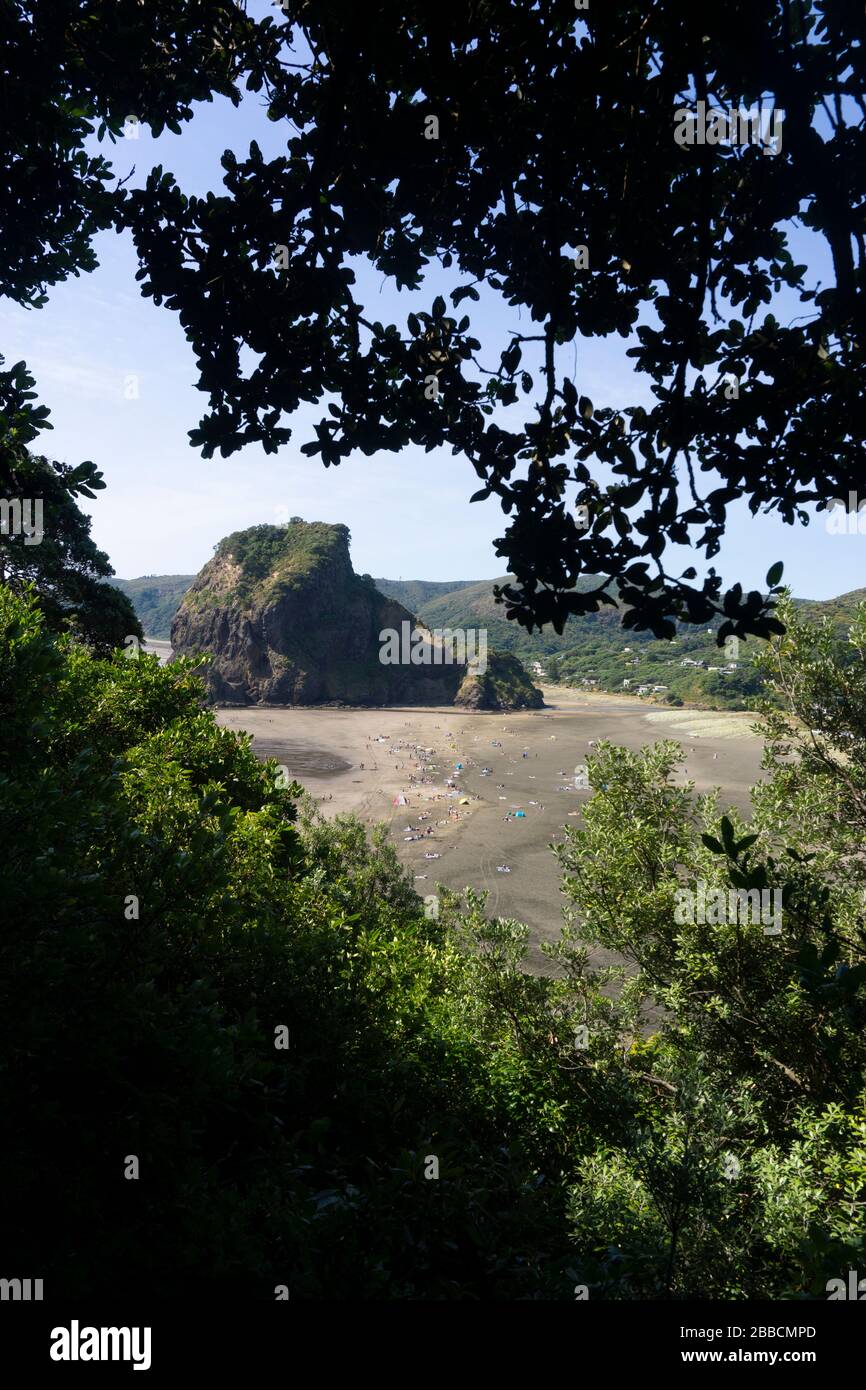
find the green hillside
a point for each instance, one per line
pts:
(155, 598)
(840, 611)
(473, 605)
(595, 651)
(413, 593)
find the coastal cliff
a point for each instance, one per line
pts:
(285, 620)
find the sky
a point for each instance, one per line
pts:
(165, 507)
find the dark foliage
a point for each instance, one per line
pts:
(555, 131)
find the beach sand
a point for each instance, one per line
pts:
(325, 748)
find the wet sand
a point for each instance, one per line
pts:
(155, 646)
(326, 748)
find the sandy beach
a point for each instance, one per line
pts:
(458, 824)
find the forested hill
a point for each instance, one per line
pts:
(155, 598)
(595, 651)
(415, 593)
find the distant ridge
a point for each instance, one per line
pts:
(413, 593)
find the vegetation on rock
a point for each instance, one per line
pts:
(284, 619)
(503, 685)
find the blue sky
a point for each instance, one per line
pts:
(165, 507)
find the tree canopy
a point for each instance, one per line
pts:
(45, 538)
(527, 151)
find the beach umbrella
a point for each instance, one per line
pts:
(464, 801)
(518, 814)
